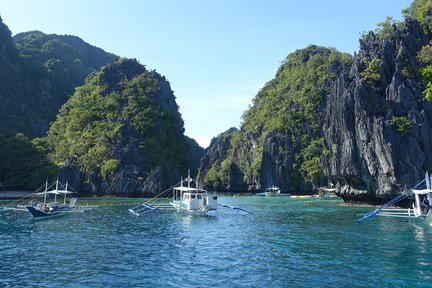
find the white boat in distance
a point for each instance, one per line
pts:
(57, 201)
(272, 191)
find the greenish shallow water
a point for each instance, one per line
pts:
(284, 242)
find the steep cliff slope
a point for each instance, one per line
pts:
(68, 59)
(280, 140)
(378, 123)
(11, 79)
(38, 73)
(367, 129)
(123, 132)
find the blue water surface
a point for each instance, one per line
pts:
(283, 242)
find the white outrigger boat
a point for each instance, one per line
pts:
(421, 195)
(43, 209)
(189, 199)
(272, 191)
(327, 192)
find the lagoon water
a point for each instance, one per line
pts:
(283, 242)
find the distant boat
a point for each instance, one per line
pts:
(272, 191)
(421, 195)
(57, 201)
(327, 191)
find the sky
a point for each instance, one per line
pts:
(216, 54)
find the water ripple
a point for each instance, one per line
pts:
(283, 243)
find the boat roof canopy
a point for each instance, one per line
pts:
(422, 191)
(56, 192)
(190, 189)
(48, 192)
(66, 192)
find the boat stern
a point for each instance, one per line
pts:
(212, 201)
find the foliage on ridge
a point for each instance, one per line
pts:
(24, 163)
(420, 10)
(115, 113)
(291, 103)
(288, 104)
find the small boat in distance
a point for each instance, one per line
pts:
(54, 208)
(272, 191)
(57, 199)
(327, 192)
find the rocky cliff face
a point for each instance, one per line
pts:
(279, 142)
(122, 134)
(218, 151)
(38, 73)
(374, 124)
(370, 158)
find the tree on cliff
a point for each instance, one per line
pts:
(287, 109)
(123, 123)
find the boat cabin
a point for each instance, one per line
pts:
(193, 199)
(272, 191)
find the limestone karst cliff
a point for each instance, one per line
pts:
(372, 156)
(280, 141)
(121, 133)
(364, 126)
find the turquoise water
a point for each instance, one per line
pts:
(284, 242)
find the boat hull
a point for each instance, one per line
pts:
(36, 213)
(41, 214)
(271, 194)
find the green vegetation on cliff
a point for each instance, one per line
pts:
(118, 118)
(38, 73)
(67, 59)
(289, 105)
(425, 58)
(372, 73)
(24, 164)
(419, 10)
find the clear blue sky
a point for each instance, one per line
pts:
(216, 54)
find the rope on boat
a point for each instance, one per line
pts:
(399, 198)
(30, 195)
(147, 206)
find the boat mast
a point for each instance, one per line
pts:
(45, 192)
(189, 178)
(55, 194)
(64, 200)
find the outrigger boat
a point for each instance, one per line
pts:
(327, 192)
(272, 191)
(193, 200)
(45, 208)
(421, 195)
(188, 199)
